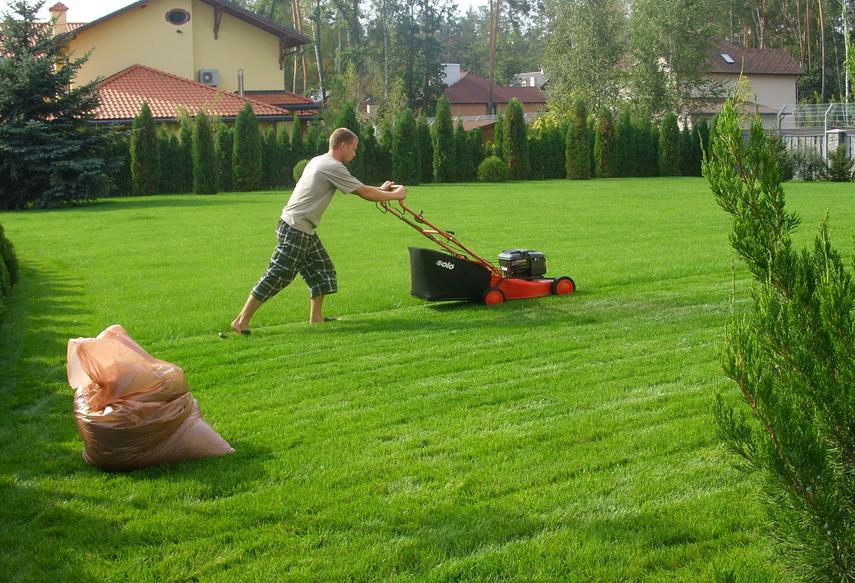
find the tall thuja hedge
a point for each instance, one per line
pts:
(604, 145)
(791, 358)
(118, 162)
(289, 159)
(578, 157)
(145, 153)
(168, 144)
(369, 146)
(185, 155)
(204, 156)
(499, 137)
(406, 163)
(8, 269)
(346, 118)
(669, 146)
(690, 151)
(625, 158)
(442, 139)
(549, 159)
(298, 145)
(425, 149)
(515, 147)
(646, 148)
(460, 151)
(474, 153)
(246, 152)
(269, 145)
(224, 157)
(310, 141)
(385, 141)
(535, 153)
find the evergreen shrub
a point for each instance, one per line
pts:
(442, 138)
(808, 165)
(224, 157)
(406, 162)
(204, 156)
(604, 146)
(298, 169)
(8, 256)
(578, 158)
(791, 358)
(246, 152)
(515, 141)
(493, 169)
(145, 153)
(839, 165)
(669, 146)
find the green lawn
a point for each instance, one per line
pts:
(564, 438)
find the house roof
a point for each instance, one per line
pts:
(474, 89)
(123, 94)
(290, 37)
(752, 61)
(283, 99)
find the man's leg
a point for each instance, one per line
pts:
(241, 323)
(316, 309)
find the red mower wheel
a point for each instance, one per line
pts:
(563, 286)
(493, 297)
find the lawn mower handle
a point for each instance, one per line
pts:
(444, 239)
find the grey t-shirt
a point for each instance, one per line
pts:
(314, 192)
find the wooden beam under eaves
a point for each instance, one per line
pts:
(218, 16)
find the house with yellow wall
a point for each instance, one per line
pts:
(185, 55)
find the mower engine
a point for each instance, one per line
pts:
(522, 263)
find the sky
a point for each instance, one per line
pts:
(88, 10)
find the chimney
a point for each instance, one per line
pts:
(240, 82)
(450, 73)
(57, 14)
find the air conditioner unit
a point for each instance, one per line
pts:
(209, 77)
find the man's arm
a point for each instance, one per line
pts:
(385, 192)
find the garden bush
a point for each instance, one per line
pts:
(8, 268)
(839, 165)
(298, 169)
(246, 151)
(204, 156)
(493, 169)
(145, 153)
(808, 165)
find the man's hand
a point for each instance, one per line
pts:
(387, 185)
(399, 190)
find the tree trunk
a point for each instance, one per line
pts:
(318, 60)
(822, 47)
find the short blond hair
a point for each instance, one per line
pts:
(341, 136)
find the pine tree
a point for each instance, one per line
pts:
(791, 357)
(604, 146)
(425, 149)
(51, 154)
(442, 139)
(145, 153)
(224, 157)
(406, 164)
(515, 138)
(246, 153)
(578, 148)
(204, 156)
(669, 146)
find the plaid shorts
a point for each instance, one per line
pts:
(296, 252)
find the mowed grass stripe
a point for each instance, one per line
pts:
(552, 439)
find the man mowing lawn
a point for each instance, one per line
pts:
(298, 248)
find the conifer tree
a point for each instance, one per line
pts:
(515, 147)
(185, 154)
(460, 151)
(604, 145)
(310, 141)
(224, 157)
(374, 173)
(269, 146)
(442, 139)
(145, 153)
(246, 152)
(50, 155)
(204, 157)
(167, 163)
(406, 163)
(669, 146)
(425, 149)
(578, 148)
(499, 137)
(791, 358)
(625, 157)
(298, 148)
(839, 164)
(474, 153)
(346, 118)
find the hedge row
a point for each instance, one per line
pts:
(8, 269)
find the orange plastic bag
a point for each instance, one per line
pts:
(132, 409)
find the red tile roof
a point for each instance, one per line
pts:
(58, 7)
(123, 94)
(752, 61)
(474, 89)
(280, 98)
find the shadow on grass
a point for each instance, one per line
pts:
(61, 519)
(169, 201)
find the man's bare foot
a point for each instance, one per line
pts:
(325, 319)
(236, 326)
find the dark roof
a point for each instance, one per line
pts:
(282, 98)
(474, 89)
(291, 37)
(752, 61)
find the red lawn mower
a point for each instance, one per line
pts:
(460, 274)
